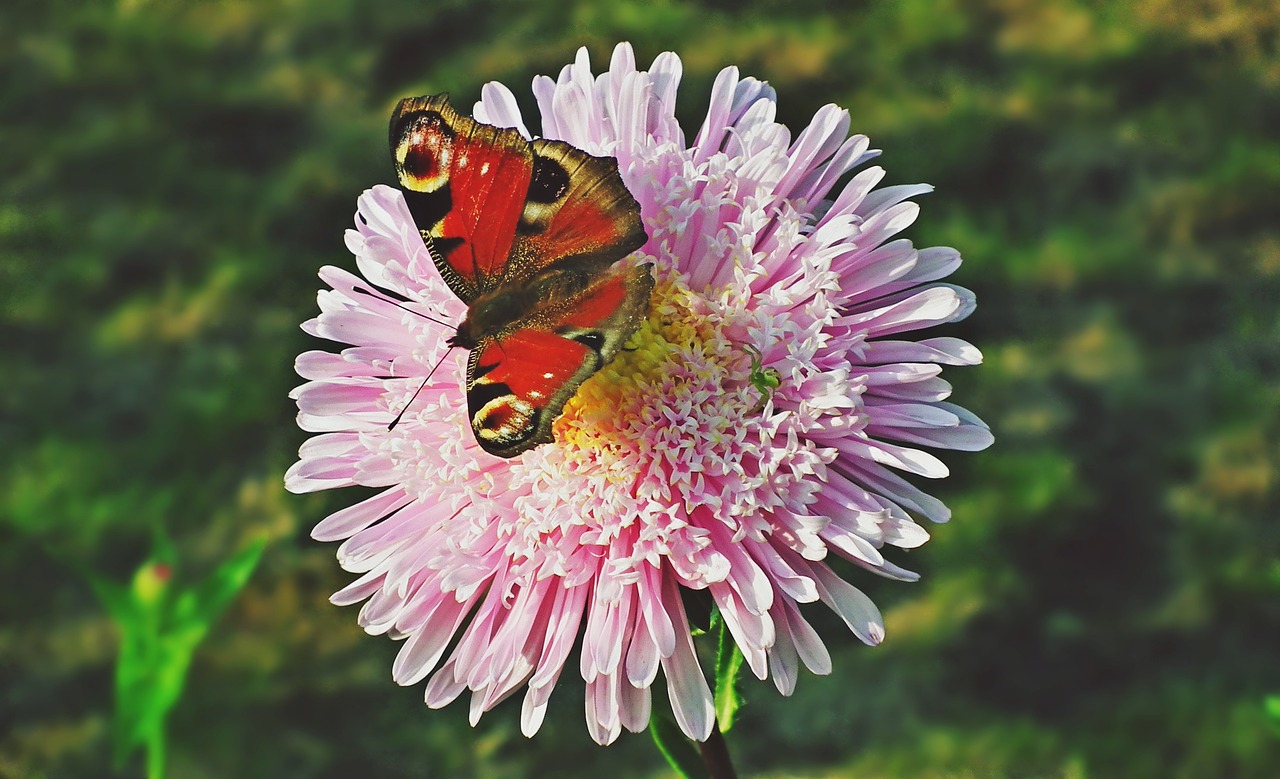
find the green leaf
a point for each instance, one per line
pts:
(728, 663)
(160, 628)
(680, 755)
(213, 595)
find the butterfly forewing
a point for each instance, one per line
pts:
(591, 217)
(465, 184)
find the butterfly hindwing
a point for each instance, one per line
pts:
(518, 384)
(513, 384)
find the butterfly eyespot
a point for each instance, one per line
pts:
(505, 420)
(424, 150)
(421, 163)
(418, 121)
(549, 182)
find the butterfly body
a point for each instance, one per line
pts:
(529, 235)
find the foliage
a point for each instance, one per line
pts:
(161, 623)
(174, 173)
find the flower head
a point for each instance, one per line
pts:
(756, 424)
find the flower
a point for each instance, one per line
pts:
(754, 426)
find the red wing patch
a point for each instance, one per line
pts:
(516, 387)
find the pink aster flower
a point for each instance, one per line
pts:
(758, 424)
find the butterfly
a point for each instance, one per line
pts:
(528, 234)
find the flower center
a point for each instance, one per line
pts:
(663, 443)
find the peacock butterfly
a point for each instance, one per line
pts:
(528, 234)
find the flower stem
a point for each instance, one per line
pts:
(155, 753)
(715, 756)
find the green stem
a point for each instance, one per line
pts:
(674, 746)
(155, 753)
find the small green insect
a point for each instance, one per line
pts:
(765, 380)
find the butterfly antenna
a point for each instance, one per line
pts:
(364, 291)
(396, 421)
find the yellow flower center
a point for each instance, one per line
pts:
(674, 322)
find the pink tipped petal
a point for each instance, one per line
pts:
(716, 125)
(635, 705)
(968, 438)
(534, 710)
(754, 633)
(642, 659)
(561, 632)
(298, 484)
(604, 718)
(885, 198)
(426, 645)
(850, 198)
(935, 263)
(498, 107)
(784, 665)
(358, 590)
(351, 520)
(945, 351)
(923, 309)
(855, 608)
(812, 652)
(815, 146)
(690, 696)
(443, 688)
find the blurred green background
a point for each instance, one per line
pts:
(1104, 603)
